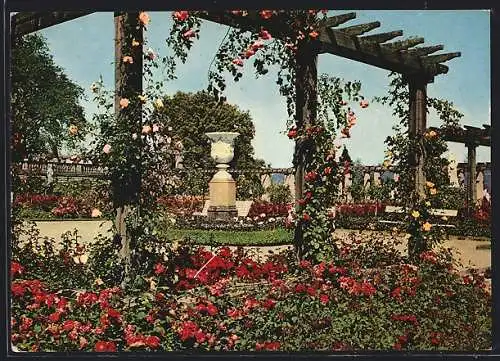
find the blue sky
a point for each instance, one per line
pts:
(85, 49)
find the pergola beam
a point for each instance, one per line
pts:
(333, 21)
(424, 50)
(25, 23)
(356, 30)
(440, 58)
(403, 44)
(382, 37)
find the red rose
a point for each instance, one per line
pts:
(159, 269)
(249, 53)
(324, 299)
(310, 176)
(16, 268)
(212, 310)
(292, 133)
(68, 325)
(105, 346)
(311, 291)
(306, 217)
(200, 336)
(300, 288)
(54, 317)
(113, 313)
(17, 289)
(327, 170)
(152, 341)
(269, 303)
(181, 15)
(266, 14)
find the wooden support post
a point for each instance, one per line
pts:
(128, 84)
(417, 127)
(305, 109)
(471, 165)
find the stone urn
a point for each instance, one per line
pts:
(222, 186)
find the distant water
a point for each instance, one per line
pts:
(278, 178)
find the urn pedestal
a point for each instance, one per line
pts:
(222, 187)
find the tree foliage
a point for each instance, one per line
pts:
(44, 102)
(190, 116)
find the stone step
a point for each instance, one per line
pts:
(243, 207)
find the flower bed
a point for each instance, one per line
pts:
(261, 222)
(51, 206)
(182, 205)
(268, 209)
(367, 298)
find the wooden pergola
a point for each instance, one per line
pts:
(471, 137)
(416, 64)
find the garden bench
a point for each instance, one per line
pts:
(434, 212)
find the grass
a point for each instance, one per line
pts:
(274, 237)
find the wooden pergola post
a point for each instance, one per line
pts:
(128, 84)
(417, 127)
(306, 111)
(471, 167)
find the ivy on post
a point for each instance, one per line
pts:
(306, 113)
(128, 84)
(417, 85)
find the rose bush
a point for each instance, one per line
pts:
(192, 298)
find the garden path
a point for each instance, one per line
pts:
(464, 248)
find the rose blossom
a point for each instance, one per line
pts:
(144, 18)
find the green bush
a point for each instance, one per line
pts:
(279, 193)
(278, 236)
(367, 298)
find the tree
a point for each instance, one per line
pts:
(46, 114)
(190, 116)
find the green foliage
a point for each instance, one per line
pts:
(44, 99)
(279, 193)
(367, 298)
(190, 116)
(47, 261)
(433, 146)
(273, 237)
(357, 187)
(430, 145)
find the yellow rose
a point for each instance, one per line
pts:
(433, 191)
(73, 129)
(428, 204)
(429, 184)
(158, 103)
(415, 214)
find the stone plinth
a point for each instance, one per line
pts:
(222, 199)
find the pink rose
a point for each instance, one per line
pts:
(265, 35)
(124, 102)
(189, 34)
(363, 103)
(238, 62)
(106, 149)
(156, 128)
